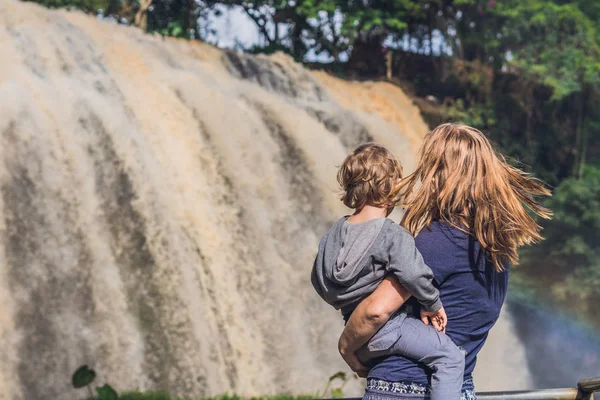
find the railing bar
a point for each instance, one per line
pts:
(547, 394)
(589, 384)
(586, 389)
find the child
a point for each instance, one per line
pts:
(360, 250)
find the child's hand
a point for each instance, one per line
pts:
(439, 320)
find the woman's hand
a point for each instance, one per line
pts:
(370, 315)
(354, 363)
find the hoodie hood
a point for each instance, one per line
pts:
(350, 247)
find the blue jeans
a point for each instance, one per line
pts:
(383, 390)
(411, 338)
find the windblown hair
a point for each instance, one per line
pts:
(370, 175)
(461, 180)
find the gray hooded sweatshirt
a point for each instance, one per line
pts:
(354, 258)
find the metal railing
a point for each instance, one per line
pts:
(584, 391)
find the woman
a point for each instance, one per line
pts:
(467, 207)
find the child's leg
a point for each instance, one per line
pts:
(434, 349)
(410, 337)
(382, 343)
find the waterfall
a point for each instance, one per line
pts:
(161, 202)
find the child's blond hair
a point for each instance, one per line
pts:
(370, 175)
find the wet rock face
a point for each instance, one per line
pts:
(344, 125)
(161, 203)
(276, 74)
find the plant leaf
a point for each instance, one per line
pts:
(83, 376)
(338, 375)
(106, 392)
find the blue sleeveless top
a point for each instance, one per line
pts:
(472, 293)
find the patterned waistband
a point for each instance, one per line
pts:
(416, 388)
(397, 387)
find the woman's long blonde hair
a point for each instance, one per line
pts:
(461, 180)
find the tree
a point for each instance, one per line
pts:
(168, 17)
(177, 18)
(267, 15)
(141, 16)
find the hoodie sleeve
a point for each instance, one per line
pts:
(316, 278)
(407, 264)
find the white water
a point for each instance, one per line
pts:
(161, 204)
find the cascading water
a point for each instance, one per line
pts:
(161, 202)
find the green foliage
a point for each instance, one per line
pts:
(555, 45)
(481, 116)
(335, 386)
(82, 377)
(178, 18)
(174, 29)
(568, 261)
(106, 392)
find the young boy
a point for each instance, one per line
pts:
(360, 250)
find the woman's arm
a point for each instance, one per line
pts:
(370, 315)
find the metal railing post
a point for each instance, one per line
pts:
(587, 387)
